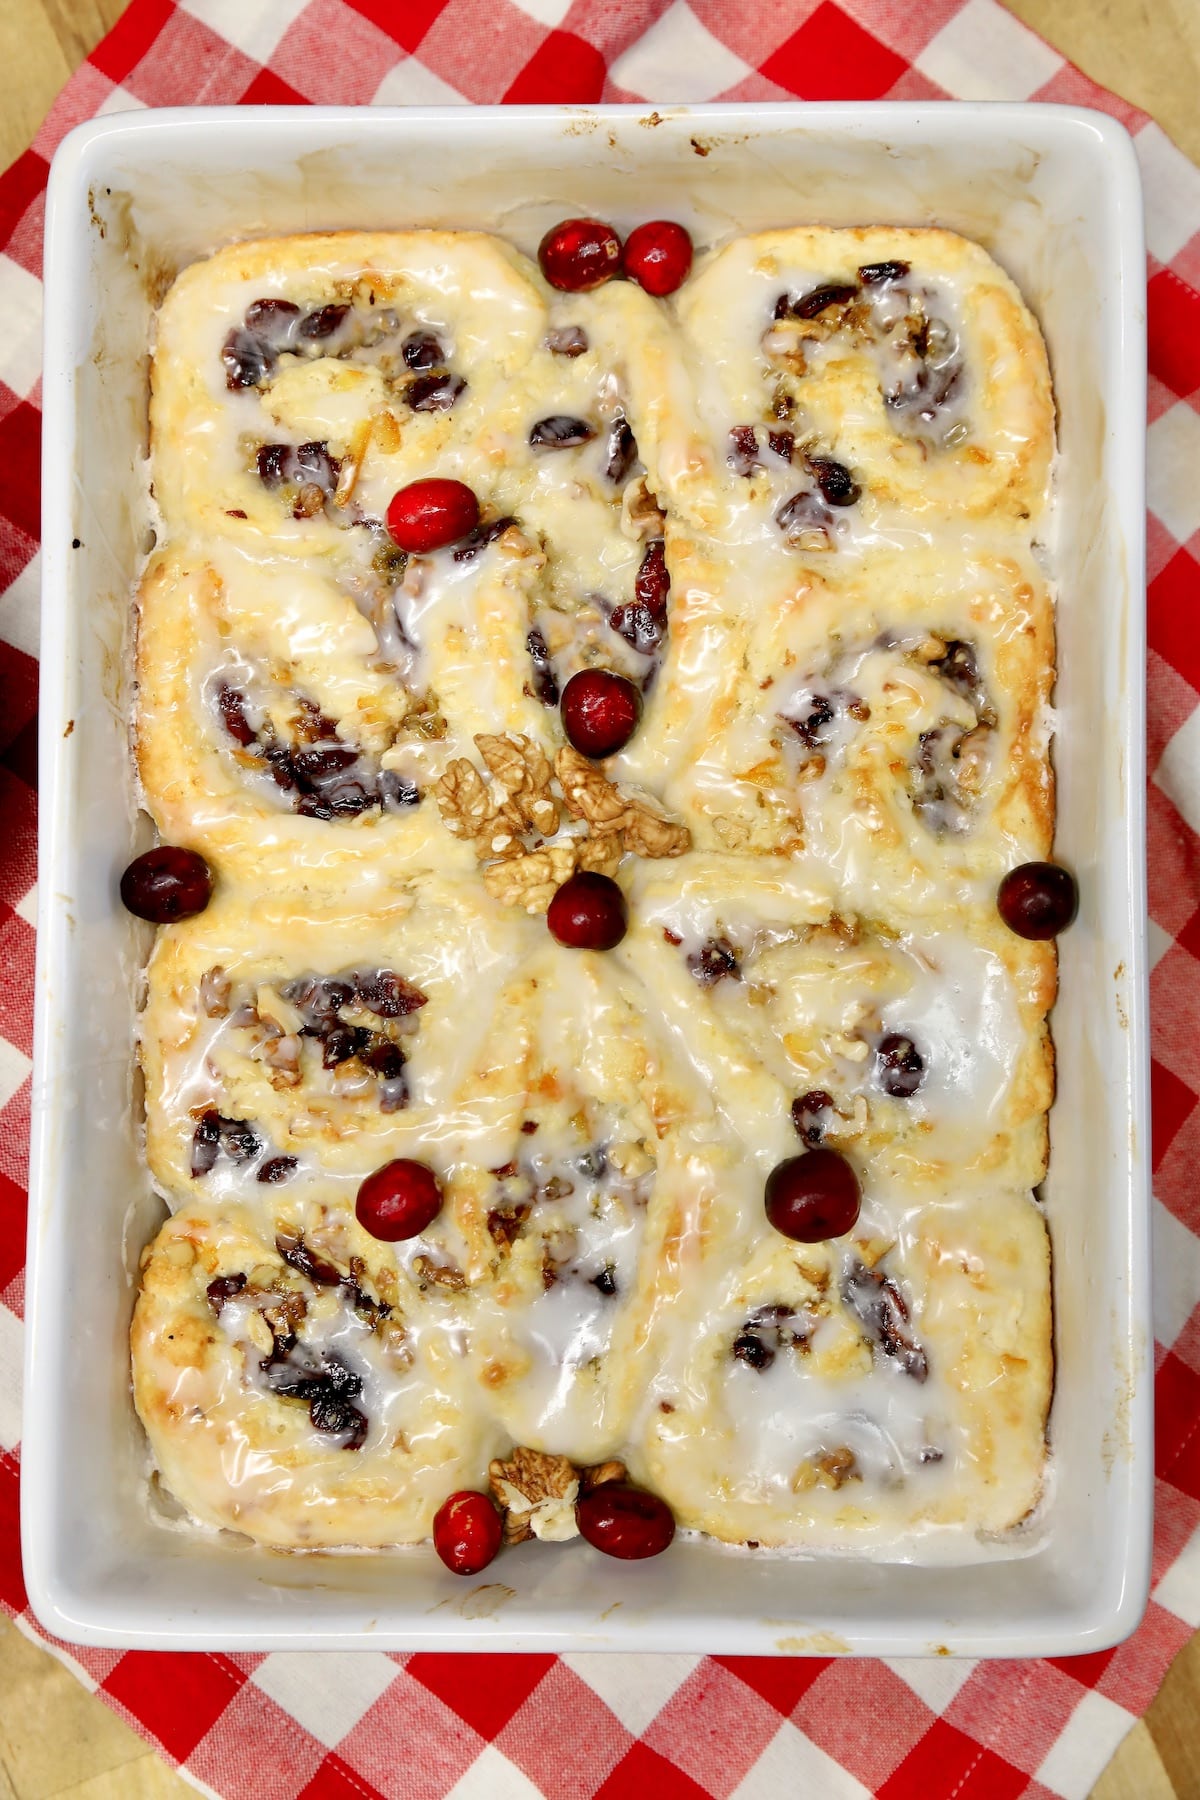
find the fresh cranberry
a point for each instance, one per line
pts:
(813, 1197)
(901, 1065)
(579, 254)
(600, 711)
(399, 1200)
(166, 884)
(588, 913)
(426, 515)
(625, 1521)
(466, 1532)
(1038, 899)
(658, 256)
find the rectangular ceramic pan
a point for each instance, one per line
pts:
(1053, 193)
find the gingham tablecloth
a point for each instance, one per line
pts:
(426, 1727)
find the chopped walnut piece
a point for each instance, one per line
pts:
(600, 855)
(649, 833)
(531, 879)
(523, 771)
(463, 800)
(589, 795)
(828, 1469)
(537, 1494)
(600, 1473)
(641, 515)
(441, 1274)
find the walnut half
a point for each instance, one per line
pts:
(536, 1493)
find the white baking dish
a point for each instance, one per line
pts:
(1054, 194)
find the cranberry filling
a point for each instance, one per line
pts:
(477, 541)
(877, 1302)
(743, 450)
(560, 432)
(876, 274)
(901, 1068)
(215, 1135)
(545, 684)
(327, 1386)
(326, 778)
(716, 960)
(642, 622)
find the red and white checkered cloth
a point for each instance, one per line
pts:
(425, 1727)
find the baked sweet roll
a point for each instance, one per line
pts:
(593, 1111)
(873, 1392)
(854, 384)
(286, 1041)
(917, 1047)
(593, 1040)
(892, 728)
(296, 1384)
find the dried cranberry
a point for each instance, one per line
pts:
(835, 481)
(273, 462)
(752, 1351)
(545, 687)
(247, 359)
(435, 392)
(875, 274)
(588, 912)
(166, 884)
(743, 450)
(716, 960)
(478, 540)
(811, 728)
(639, 627)
(421, 350)
(397, 790)
(579, 254)
(232, 707)
(323, 322)
(877, 1301)
(600, 711)
(625, 1521)
(278, 1168)
(622, 451)
(315, 467)
(782, 443)
(821, 299)
(813, 1196)
(206, 1144)
(239, 1141)
(225, 1287)
(901, 1068)
(653, 581)
(400, 1200)
(426, 515)
(606, 1281)
(297, 1255)
(806, 1115)
(388, 995)
(658, 256)
(466, 1532)
(560, 432)
(1037, 900)
(801, 515)
(335, 1414)
(269, 315)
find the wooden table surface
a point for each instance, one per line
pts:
(58, 1741)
